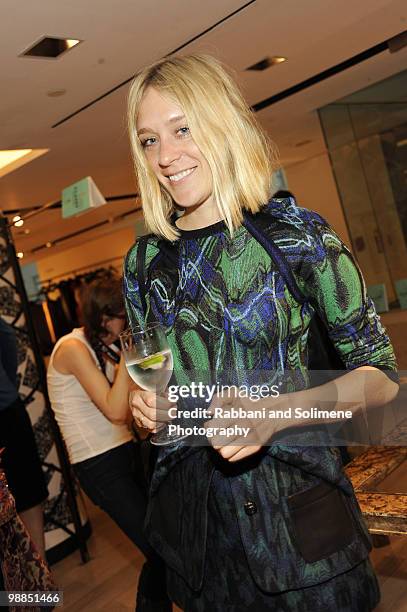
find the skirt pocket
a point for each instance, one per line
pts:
(321, 520)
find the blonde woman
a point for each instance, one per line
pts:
(244, 526)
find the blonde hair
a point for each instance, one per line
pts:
(239, 154)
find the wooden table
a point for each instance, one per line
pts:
(384, 513)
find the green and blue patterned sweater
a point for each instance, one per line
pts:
(226, 306)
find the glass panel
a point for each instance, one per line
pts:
(367, 143)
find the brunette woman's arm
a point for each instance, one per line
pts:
(74, 358)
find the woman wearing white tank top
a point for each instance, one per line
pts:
(90, 402)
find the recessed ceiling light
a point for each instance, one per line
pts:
(50, 47)
(20, 254)
(14, 158)
(72, 42)
(56, 93)
(27, 231)
(267, 62)
(48, 245)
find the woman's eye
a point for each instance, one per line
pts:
(183, 131)
(148, 142)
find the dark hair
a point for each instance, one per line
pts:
(103, 296)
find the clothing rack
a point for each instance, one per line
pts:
(77, 279)
(84, 269)
(55, 308)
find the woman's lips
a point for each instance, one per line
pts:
(180, 176)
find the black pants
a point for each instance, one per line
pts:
(20, 459)
(114, 481)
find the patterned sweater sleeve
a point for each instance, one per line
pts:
(132, 300)
(333, 283)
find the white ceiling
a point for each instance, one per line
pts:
(119, 37)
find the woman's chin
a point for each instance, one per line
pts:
(186, 204)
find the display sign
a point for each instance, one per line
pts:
(378, 294)
(80, 197)
(401, 288)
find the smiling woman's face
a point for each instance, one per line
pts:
(173, 155)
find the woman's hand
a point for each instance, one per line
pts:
(150, 411)
(251, 432)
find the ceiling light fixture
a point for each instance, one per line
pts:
(18, 221)
(48, 245)
(72, 42)
(12, 159)
(11, 156)
(50, 47)
(267, 62)
(20, 254)
(278, 59)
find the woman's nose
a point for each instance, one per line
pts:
(169, 152)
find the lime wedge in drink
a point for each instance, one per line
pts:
(154, 361)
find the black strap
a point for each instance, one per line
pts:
(277, 256)
(101, 349)
(107, 350)
(167, 253)
(140, 269)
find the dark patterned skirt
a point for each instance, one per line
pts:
(229, 587)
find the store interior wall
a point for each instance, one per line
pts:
(110, 248)
(313, 184)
